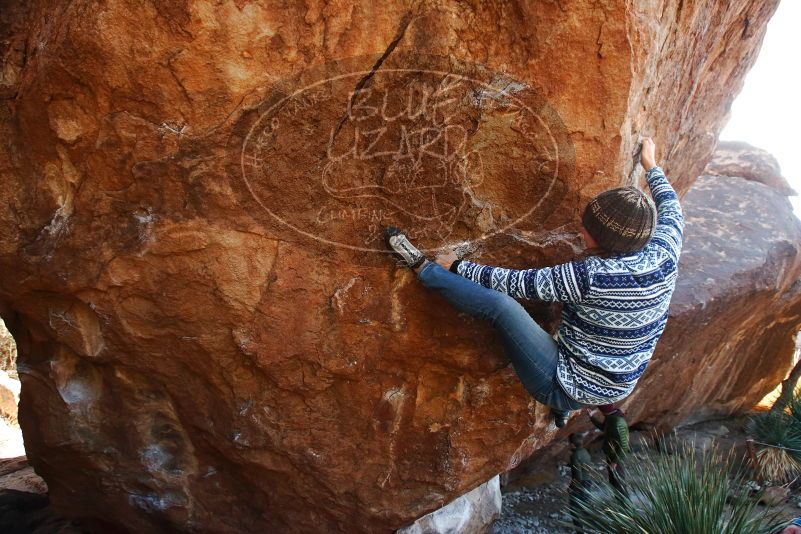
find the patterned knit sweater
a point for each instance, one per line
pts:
(615, 308)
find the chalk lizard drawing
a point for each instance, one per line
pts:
(403, 152)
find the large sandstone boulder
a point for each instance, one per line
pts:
(190, 203)
(737, 158)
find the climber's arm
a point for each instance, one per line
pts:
(670, 218)
(568, 282)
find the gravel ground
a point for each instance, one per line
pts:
(537, 510)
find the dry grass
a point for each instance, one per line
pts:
(778, 438)
(777, 465)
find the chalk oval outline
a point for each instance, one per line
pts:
(363, 73)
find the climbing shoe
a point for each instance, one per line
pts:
(403, 248)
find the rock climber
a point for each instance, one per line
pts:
(616, 443)
(615, 297)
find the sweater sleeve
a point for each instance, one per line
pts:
(670, 218)
(568, 282)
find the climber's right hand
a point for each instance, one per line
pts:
(648, 154)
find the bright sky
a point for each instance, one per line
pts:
(767, 113)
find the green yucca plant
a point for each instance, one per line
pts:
(683, 493)
(794, 409)
(779, 444)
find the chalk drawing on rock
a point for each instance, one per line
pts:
(430, 150)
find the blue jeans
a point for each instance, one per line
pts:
(532, 350)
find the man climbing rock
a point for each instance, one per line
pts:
(616, 443)
(615, 298)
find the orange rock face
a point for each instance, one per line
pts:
(209, 336)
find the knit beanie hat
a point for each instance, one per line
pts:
(620, 220)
